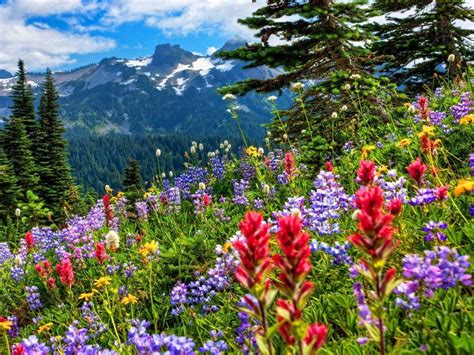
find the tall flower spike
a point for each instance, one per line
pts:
(66, 272)
(29, 241)
(255, 263)
(107, 210)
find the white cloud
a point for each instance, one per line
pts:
(184, 17)
(211, 50)
(39, 44)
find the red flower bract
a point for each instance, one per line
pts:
(395, 206)
(29, 241)
(316, 334)
(295, 263)
(289, 164)
(100, 253)
(66, 272)
(423, 108)
(417, 171)
(366, 172)
(107, 209)
(328, 165)
(375, 237)
(255, 262)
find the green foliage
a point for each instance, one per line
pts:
(33, 210)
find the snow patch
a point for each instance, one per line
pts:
(139, 62)
(226, 66)
(203, 65)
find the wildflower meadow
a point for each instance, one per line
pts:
(250, 251)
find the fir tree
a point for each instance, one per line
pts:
(323, 44)
(132, 181)
(55, 173)
(418, 43)
(22, 97)
(9, 192)
(17, 147)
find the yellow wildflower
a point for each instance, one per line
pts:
(366, 150)
(120, 194)
(252, 151)
(404, 142)
(427, 131)
(45, 327)
(227, 246)
(5, 324)
(129, 299)
(464, 186)
(467, 119)
(86, 296)
(381, 170)
(108, 189)
(148, 248)
(103, 281)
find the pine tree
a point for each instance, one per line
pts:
(17, 147)
(323, 44)
(23, 98)
(418, 41)
(9, 192)
(55, 173)
(133, 180)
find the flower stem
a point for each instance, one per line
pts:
(265, 326)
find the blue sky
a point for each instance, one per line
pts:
(64, 34)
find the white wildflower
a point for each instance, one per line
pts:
(112, 240)
(228, 97)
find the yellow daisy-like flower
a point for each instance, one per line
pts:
(103, 281)
(129, 299)
(5, 324)
(226, 247)
(146, 195)
(108, 189)
(428, 131)
(120, 194)
(367, 149)
(252, 151)
(45, 327)
(464, 187)
(381, 170)
(148, 248)
(467, 119)
(404, 143)
(86, 296)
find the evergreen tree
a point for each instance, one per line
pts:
(22, 97)
(417, 44)
(9, 192)
(322, 43)
(133, 180)
(17, 147)
(55, 173)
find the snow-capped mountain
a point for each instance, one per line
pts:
(172, 90)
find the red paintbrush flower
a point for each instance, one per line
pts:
(328, 165)
(294, 263)
(423, 108)
(18, 349)
(51, 283)
(206, 200)
(442, 193)
(366, 172)
(375, 237)
(66, 272)
(100, 253)
(289, 164)
(417, 171)
(29, 240)
(255, 263)
(107, 209)
(395, 206)
(316, 336)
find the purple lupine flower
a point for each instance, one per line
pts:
(112, 268)
(219, 213)
(471, 163)
(240, 187)
(392, 187)
(338, 252)
(75, 339)
(463, 107)
(245, 337)
(248, 171)
(258, 204)
(437, 117)
(31, 345)
(438, 92)
(129, 270)
(33, 298)
(441, 268)
(365, 316)
(214, 346)
(379, 145)
(283, 178)
(348, 146)
(95, 326)
(423, 197)
(142, 210)
(433, 230)
(217, 166)
(15, 329)
(5, 253)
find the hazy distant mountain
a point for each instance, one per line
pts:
(171, 91)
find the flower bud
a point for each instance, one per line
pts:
(347, 87)
(226, 142)
(334, 115)
(285, 137)
(411, 109)
(163, 175)
(266, 189)
(272, 98)
(296, 212)
(344, 108)
(17, 212)
(451, 58)
(355, 214)
(201, 147)
(170, 174)
(222, 146)
(193, 150)
(269, 134)
(267, 141)
(202, 186)
(297, 86)
(260, 151)
(228, 97)
(158, 153)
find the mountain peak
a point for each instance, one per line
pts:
(167, 56)
(4, 74)
(233, 43)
